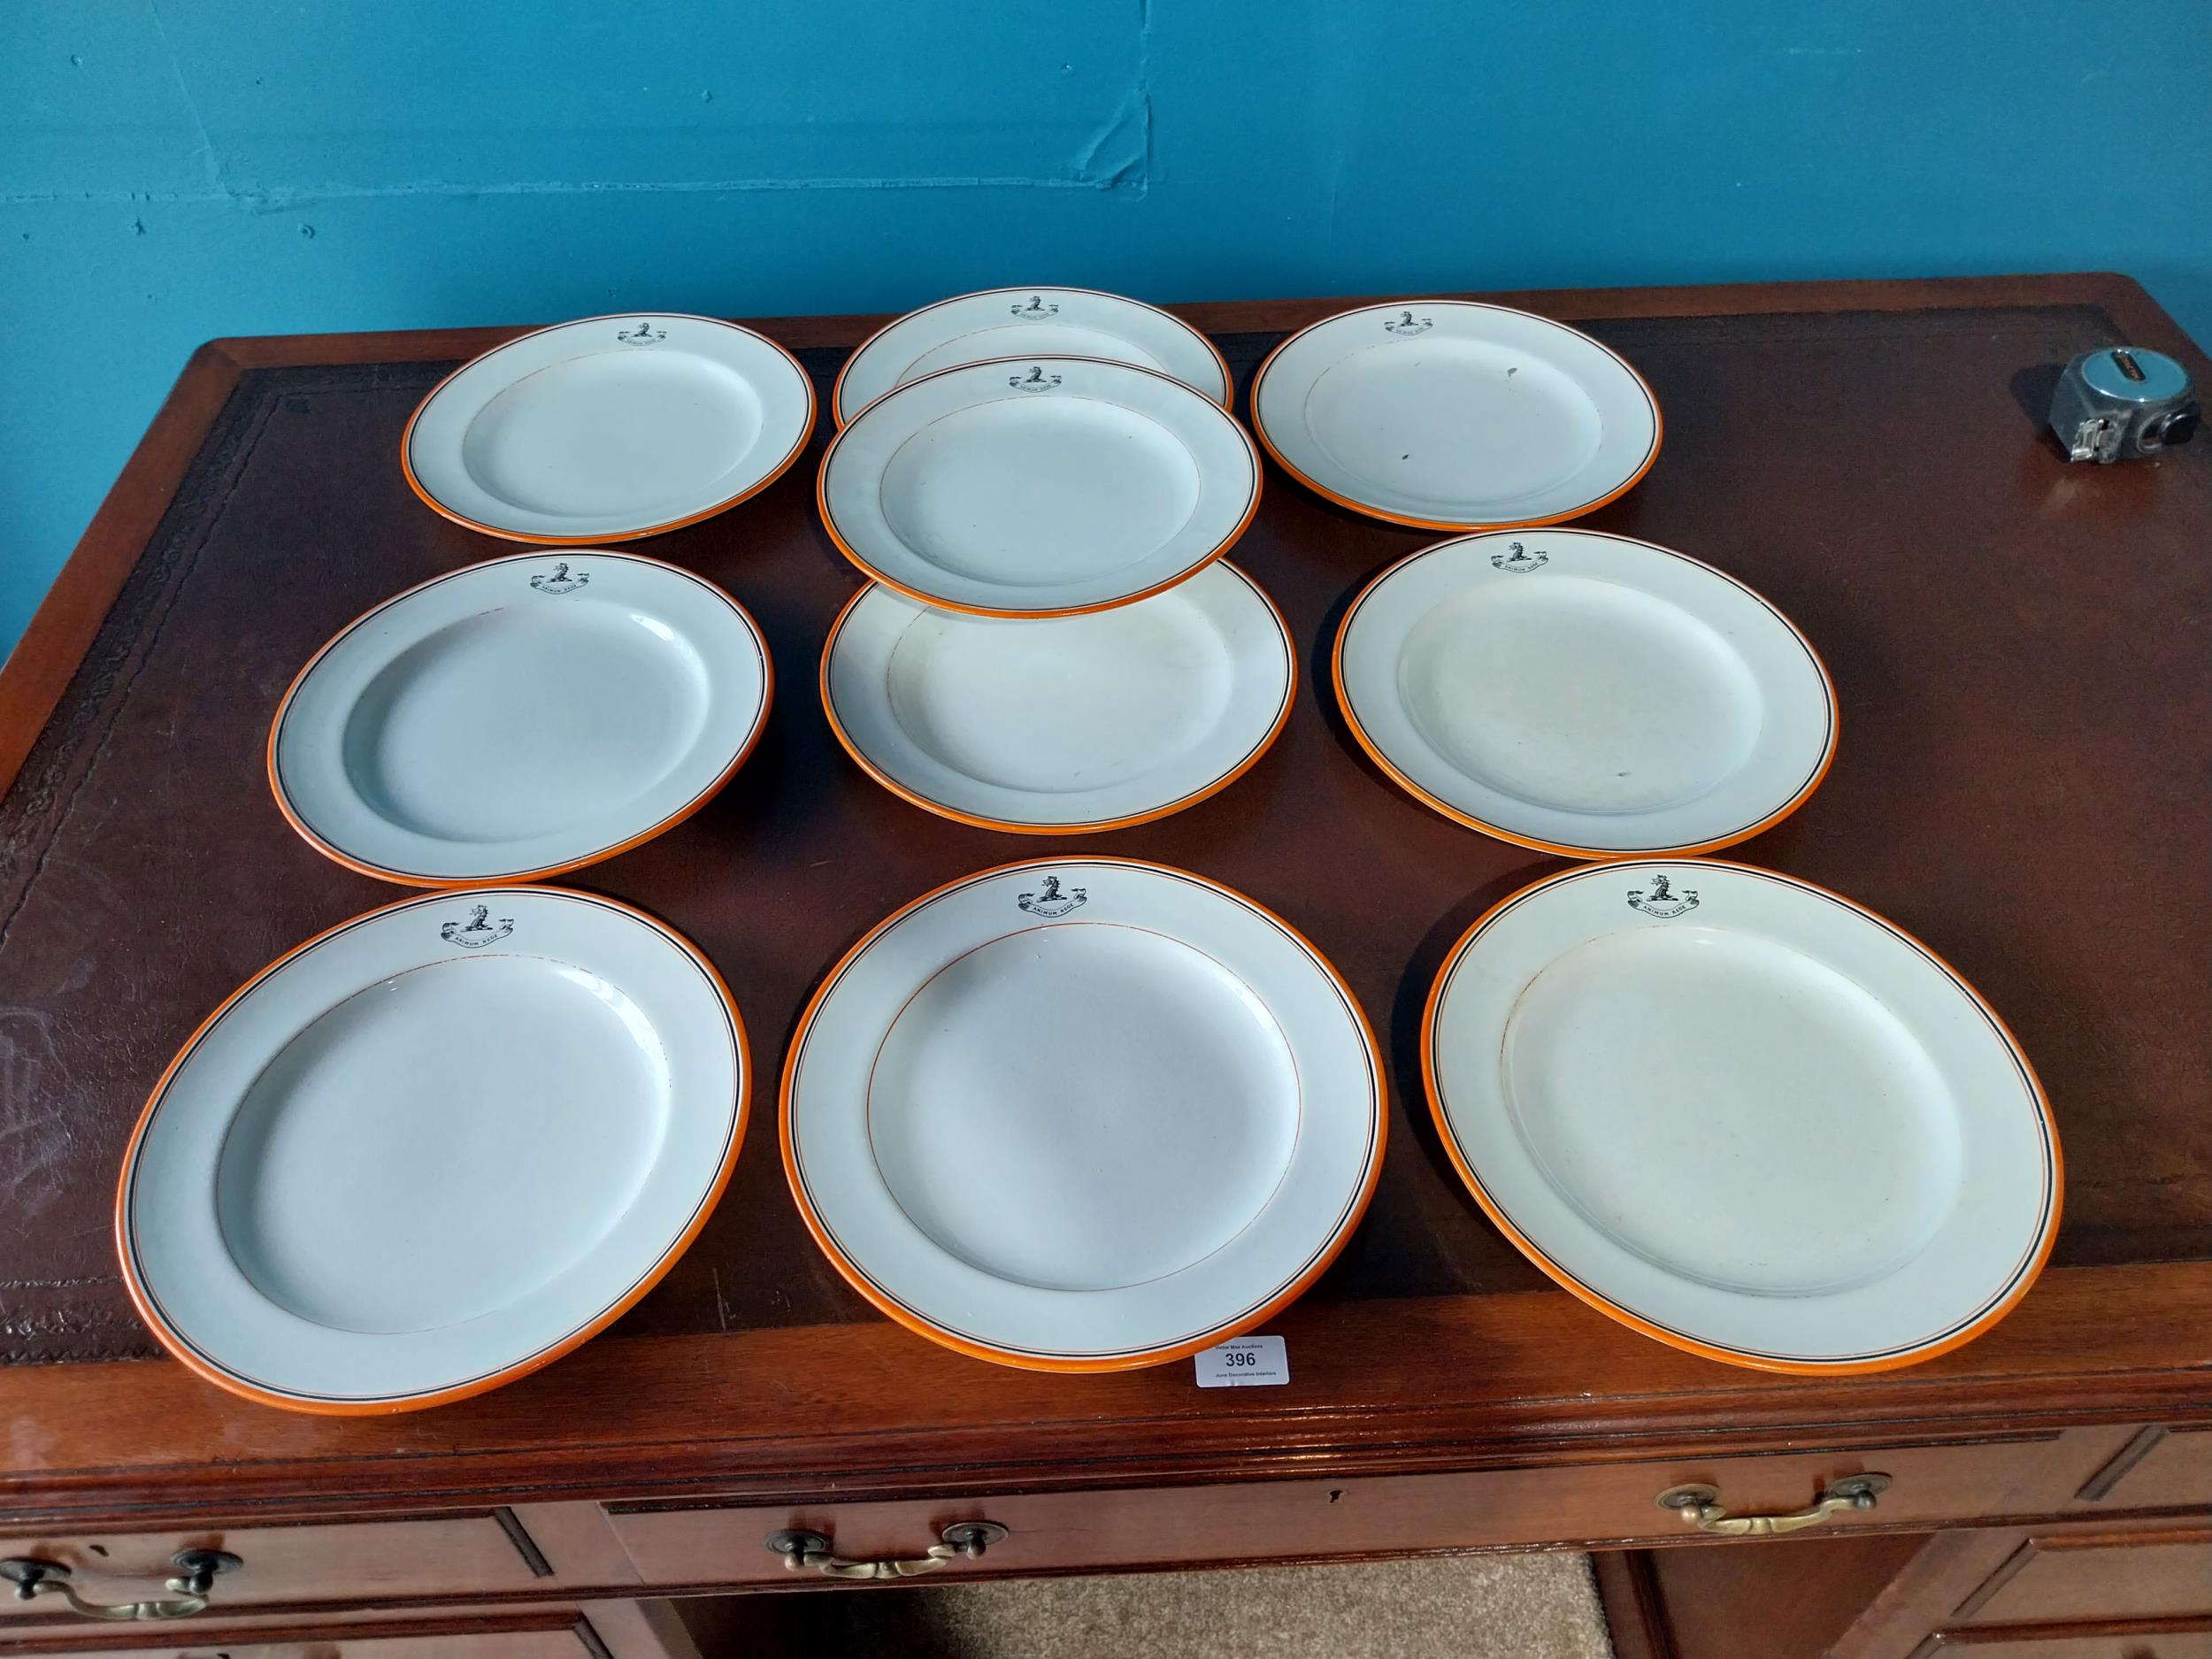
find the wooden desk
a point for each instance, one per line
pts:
(2021, 652)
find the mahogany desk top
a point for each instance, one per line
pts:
(2021, 653)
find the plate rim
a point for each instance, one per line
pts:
(935, 603)
(416, 879)
(1259, 427)
(180, 1349)
(979, 821)
(596, 537)
(1589, 1294)
(1349, 1223)
(839, 419)
(1568, 850)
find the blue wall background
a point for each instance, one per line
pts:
(172, 169)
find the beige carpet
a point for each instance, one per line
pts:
(1471, 1607)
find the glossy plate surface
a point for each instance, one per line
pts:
(1015, 322)
(432, 1149)
(1454, 415)
(1082, 1114)
(1071, 722)
(1585, 694)
(608, 427)
(519, 718)
(1038, 487)
(1743, 1115)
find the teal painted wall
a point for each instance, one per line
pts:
(172, 169)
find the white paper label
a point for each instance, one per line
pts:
(1244, 1362)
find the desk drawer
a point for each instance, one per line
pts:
(2165, 1639)
(369, 1560)
(2158, 1469)
(568, 1644)
(1574, 1505)
(2087, 1575)
(551, 1635)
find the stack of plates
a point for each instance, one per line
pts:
(1050, 640)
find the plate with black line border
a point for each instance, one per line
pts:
(1066, 725)
(1456, 415)
(1038, 487)
(608, 427)
(432, 1149)
(1586, 695)
(1082, 1114)
(521, 717)
(1743, 1115)
(1008, 322)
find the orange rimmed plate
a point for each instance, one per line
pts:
(1742, 1115)
(432, 1149)
(1082, 1114)
(1060, 727)
(608, 428)
(1038, 487)
(1456, 415)
(518, 719)
(1586, 695)
(1005, 322)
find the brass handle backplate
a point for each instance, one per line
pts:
(189, 1590)
(1701, 1507)
(811, 1552)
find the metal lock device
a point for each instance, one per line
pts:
(2123, 401)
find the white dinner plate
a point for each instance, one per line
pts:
(1038, 487)
(1743, 1115)
(1456, 416)
(1073, 723)
(432, 1149)
(608, 428)
(519, 718)
(1585, 695)
(1082, 1114)
(1025, 322)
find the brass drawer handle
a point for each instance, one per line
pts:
(809, 1552)
(1701, 1507)
(190, 1590)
